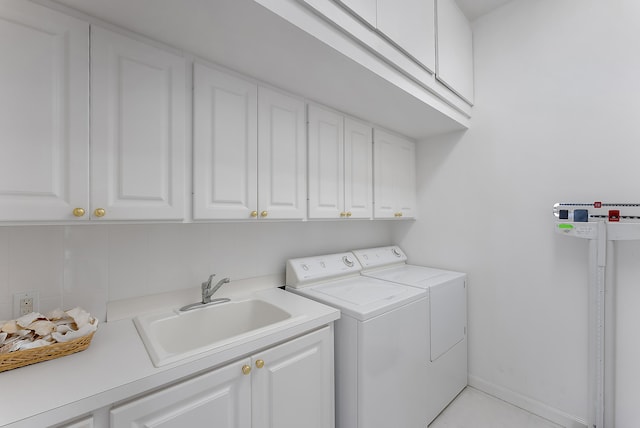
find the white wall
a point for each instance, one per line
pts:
(93, 264)
(556, 119)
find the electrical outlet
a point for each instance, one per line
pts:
(25, 303)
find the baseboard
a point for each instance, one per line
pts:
(530, 405)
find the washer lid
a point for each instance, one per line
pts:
(416, 276)
(362, 297)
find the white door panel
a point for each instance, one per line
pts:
(448, 316)
(394, 176)
(138, 129)
(358, 169)
(281, 155)
(326, 163)
(225, 145)
(44, 116)
(405, 176)
(221, 399)
(455, 50)
(410, 24)
(365, 9)
(392, 378)
(384, 170)
(295, 386)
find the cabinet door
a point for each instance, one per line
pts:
(221, 399)
(44, 115)
(295, 388)
(384, 154)
(405, 184)
(138, 129)
(394, 176)
(365, 9)
(410, 24)
(326, 163)
(225, 145)
(358, 167)
(282, 159)
(455, 49)
(84, 423)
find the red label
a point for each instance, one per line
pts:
(597, 205)
(614, 215)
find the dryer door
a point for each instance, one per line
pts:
(448, 304)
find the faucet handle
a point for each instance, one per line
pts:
(207, 284)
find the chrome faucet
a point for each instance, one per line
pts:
(208, 290)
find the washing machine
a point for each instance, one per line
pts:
(447, 312)
(381, 341)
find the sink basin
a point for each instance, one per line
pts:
(172, 336)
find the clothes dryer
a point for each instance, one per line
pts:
(447, 312)
(381, 341)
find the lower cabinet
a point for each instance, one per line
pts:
(292, 384)
(83, 423)
(221, 398)
(287, 386)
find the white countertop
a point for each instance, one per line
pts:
(116, 366)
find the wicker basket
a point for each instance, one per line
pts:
(13, 360)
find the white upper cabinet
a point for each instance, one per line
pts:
(44, 116)
(225, 151)
(365, 9)
(394, 176)
(455, 50)
(326, 163)
(340, 166)
(282, 155)
(397, 41)
(358, 169)
(249, 149)
(138, 130)
(410, 24)
(136, 166)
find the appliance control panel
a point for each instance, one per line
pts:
(587, 230)
(307, 270)
(381, 256)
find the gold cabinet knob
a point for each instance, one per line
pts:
(246, 369)
(398, 214)
(348, 213)
(343, 214)
(99, 212)
(259, 364)
(254, 213)
(78, 212)
(263, 214)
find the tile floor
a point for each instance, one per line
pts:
(475, 409)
